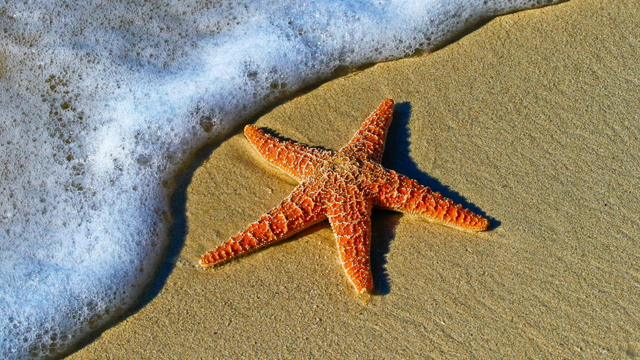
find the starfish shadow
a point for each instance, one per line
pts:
(397, 157)
(276, 134)
(383, 225)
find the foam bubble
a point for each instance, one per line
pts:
(102, 101)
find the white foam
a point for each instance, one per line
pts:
(102, 101)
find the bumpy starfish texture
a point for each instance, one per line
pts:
(342, 186)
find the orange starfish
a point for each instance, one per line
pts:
(343, 186)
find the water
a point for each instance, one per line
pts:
(103, 101)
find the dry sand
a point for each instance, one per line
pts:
(533, 120)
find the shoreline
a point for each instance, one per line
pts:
(490, 119)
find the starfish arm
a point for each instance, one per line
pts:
(299, 210)
(296, 159)
(350, 218)
(370, 139)
(397, 192)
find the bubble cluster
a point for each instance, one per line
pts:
(103, 101)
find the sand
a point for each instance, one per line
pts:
(532, 120)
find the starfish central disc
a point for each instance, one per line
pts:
(341, 186)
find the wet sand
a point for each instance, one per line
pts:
(531, 120)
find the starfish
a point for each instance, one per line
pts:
(342, 186)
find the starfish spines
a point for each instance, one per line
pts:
(350, 219)
(406, 195)
(294, 213)
(370, 139)
(342, 186)
(296, 159)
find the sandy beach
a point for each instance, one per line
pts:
(531, 120)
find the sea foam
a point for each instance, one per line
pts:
(102, 102)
